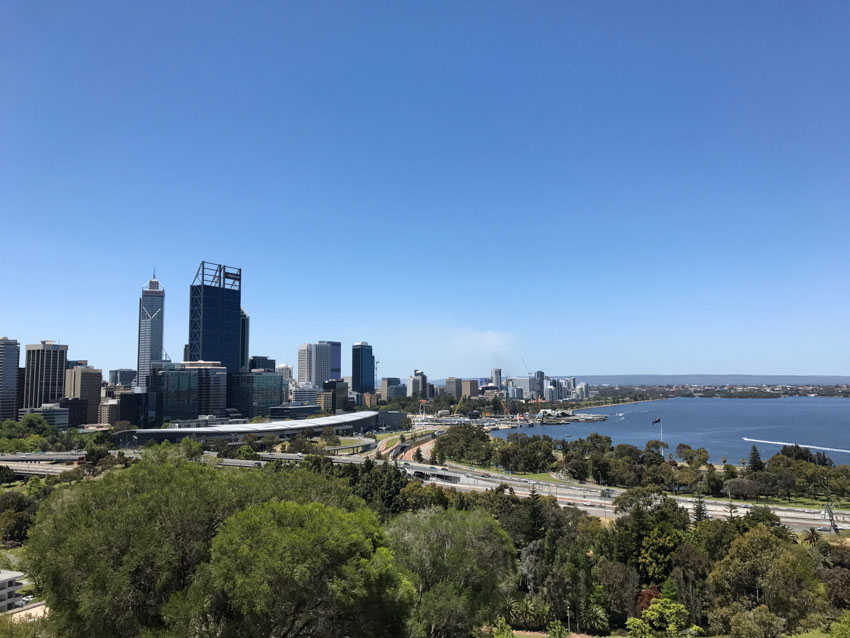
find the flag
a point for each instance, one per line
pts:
(658, 420)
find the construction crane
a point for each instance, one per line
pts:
(457, 407)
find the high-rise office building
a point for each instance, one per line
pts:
(122, 376)
(391, 387)
(424, 391)
(212, 386)
(244, 334)
(215, 298)
(540, 382)
(84, 383)
(22, 375)
(336, 359)
(10, 355)
(322, 362)
(44, 379)
(75, 363)
(255, 393)
(285, 371)
(362, 368)
(339, 388)
(315, 362)
(454, 387)
(413, 387)
(175, 389)
(151, 322)
(469, 387)
(305, 363)
(496, 377)
(78, 411)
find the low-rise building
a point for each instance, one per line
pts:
(55, 415)
(10, 589)
(325, 401)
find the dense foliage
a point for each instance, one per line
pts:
(174, 546)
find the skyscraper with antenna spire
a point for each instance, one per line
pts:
(151, 311)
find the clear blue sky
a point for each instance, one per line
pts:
(614, 187)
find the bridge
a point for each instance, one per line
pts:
(43, 457)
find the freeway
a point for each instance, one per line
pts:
(35, 469)
(583, 497)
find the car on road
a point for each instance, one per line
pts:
(485, 475)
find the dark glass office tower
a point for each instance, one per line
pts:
(362, 368)
(215, 315)
(336, 359)
(244, 334)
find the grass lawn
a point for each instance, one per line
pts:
(385, 435)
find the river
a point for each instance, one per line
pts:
(720, 425)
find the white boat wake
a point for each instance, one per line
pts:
(813, 447)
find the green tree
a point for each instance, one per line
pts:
(417, 456)
(502, 629)
(7, 474)
(690, 569)
(657, 551)
(556, 630)
(841, 627)
(700, 510)
(289, 570)
(108, 554)
(191, 450)
(639, 629)
(666, 615)
(758, 623)
(462, 564)
(247, 453)
(755, 464)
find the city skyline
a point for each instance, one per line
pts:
(594, 189)
(278, 353)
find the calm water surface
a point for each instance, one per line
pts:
(718, 425)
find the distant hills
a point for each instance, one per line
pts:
(712, 379)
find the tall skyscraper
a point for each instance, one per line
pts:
(322, 368)
(151, 321)
(496, 377)
(244, 334)
(215, 299)
(84, 383)
(336, 359)
(44, 379)
(10, 354)
(362, 368)
(305, 363)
